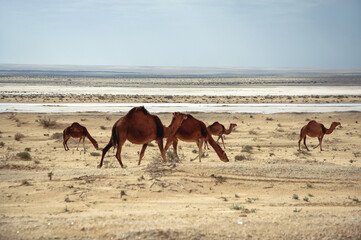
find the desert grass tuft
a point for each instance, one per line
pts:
(24, 156)
(47, 122)
(18, 136)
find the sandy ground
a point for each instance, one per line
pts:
(272, 191)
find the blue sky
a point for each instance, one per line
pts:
(207, 33)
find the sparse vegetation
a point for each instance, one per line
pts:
(295, 196)
(50, 175)
(18, 136)
(27, 149)
(25, 183)
(172, 157)
(122, 193)
(297, 210)
(354, 199)
(247, 148)
(240, 157)
(252, 132)
(102, 127)
(95, 154)
(57, 135)
(47, 122)
(2, 144)
(305, 199)
(24, 155)
(243, 209)
(309, 185)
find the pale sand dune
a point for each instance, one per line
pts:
(192, 200)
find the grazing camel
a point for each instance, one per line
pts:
(77, 131)
(315, 129)
(219, 130)
(194, 130)
(139, 127)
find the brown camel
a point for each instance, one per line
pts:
(139, 127)
(315, 129)
(194, 130)
(77, 131)
(219, 130)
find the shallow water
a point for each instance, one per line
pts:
(192, 91)
(265, 108)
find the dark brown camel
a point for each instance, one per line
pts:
(194, 130)
(315, 129)
(77, 131)
(139, 127)
(219, 130)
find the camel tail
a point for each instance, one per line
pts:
(114, 138)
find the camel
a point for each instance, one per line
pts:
(315, 129)
(139, 127)
(77, 131)
(194, 130)
(219, 130)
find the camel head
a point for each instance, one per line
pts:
(233, 125)
(224, 157)
(179, 117)
(336, 124)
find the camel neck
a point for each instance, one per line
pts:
(229, 130)
(91, 139)
(330, 130)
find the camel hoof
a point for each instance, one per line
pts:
(99, 166)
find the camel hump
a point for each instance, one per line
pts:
(312, 122)
(215, 123)
(137, 109)
(75, 124)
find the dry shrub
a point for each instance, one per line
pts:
(57, 135)
(18, 136)
(47, 122)
(24, 155)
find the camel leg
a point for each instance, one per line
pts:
(77, 147)
(304, 142)
(220, 136)
(223, 142)
(162, 152)
(175, 145)
(65, 142)
(200, 143)
(320, 140)
(84, 144)
(105, 150)
(206, 145)
(142, 152)
(118, 154)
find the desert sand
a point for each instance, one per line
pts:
(268, 190)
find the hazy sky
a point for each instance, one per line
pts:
(213, 33)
